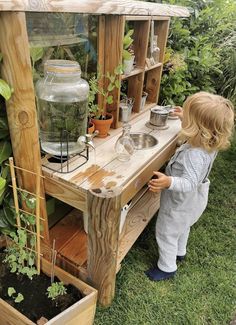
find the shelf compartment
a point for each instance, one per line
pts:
(152, 82)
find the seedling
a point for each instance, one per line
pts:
(11, 293)
(55, 290)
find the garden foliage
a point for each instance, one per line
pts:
(7, 218)
(201, 51)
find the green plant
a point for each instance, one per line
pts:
(55, 290)
(20, 259)
(111, 82)
(128, 51)
(7, 218)
(206, 42)
(11, 293)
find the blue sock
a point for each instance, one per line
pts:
(158, 275)
(180, 258)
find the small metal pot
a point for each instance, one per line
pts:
(158, 116)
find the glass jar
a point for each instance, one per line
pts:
(156, 50)
(62, 100)
(124, 146)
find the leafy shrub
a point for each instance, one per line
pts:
(205, 44)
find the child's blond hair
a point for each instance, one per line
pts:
(208, 121)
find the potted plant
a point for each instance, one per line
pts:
(98, 112)
(128, 52)
(91, 126)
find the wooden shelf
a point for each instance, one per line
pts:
(157, 65)
(132, 73)
(137, 18)
(71, 239)
(136, 221)
(142, 77)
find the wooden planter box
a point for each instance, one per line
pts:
(80, 313)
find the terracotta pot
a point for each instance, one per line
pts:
(91, 128)
(103, 126)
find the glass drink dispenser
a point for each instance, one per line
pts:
(62, 98)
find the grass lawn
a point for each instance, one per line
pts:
(203, 291)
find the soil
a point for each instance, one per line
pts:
(36, 304)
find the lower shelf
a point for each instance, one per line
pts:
(70, 239)
(136, 221)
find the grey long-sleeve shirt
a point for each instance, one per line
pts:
(189, 167)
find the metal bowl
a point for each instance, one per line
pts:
(143, 140)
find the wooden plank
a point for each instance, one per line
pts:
(76, 248)
(114, 31)
(120, 7)
(101, 54)
(153, 66)
(161, 28)
(135, 89)
(21, 110)
(132, 73)
(10, 315)
(141, 33)
(136, 221)
(153, 83)
(66, 228)
(138, 18)
(65, 192)
(103, 224)
(67, 265)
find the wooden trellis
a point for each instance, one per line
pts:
(18, 210)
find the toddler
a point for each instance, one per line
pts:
(207, 125)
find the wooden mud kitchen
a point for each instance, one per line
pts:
(99, 188)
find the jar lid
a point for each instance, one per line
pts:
(62, 66)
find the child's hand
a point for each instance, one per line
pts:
(178, 111)
(159, 183)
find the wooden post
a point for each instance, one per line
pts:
(21, 110)
(104, 210)
(114, 32)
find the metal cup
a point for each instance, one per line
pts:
(158, 117)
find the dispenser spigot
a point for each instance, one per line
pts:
(87, 139)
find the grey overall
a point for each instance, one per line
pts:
(182, 203)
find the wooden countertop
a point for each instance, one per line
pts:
(104, 171)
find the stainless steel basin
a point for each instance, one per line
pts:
(143, 140)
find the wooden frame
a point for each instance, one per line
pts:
(116, 185)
